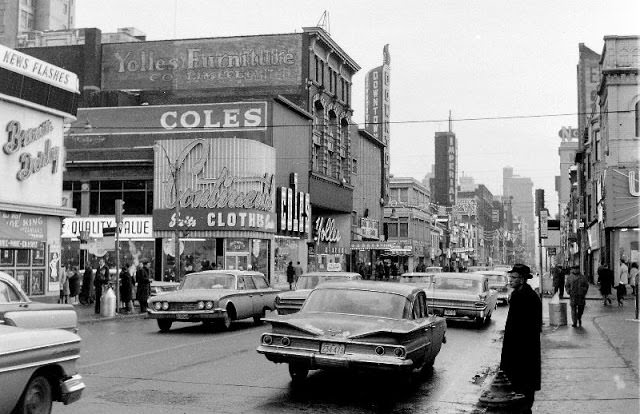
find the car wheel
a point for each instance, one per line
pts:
(226, 321)
(480, 322)
(298, 372)
(257, 319)
(37, 397)
(164, 325)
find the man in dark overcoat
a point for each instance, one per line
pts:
(100, 281)
(520, 359)
(143, 284)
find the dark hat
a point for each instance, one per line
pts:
(522, 270)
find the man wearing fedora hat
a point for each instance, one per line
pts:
(520, 359)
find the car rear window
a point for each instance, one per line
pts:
(209, 281)
(311, 281)
(453, 283)
(356, 302)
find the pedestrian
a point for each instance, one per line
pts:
(64, 285)
(100, 282)
(143, 282)
(86, 291)
(558, 281)
(605, 278)
(74, 285)
(577, 286)
(633, 277)
(621, 281)
(379, 270)
(520, 359)
(367, 271)
(125, 289)
(299, 270)
(291, 273)
(393, 270)
(387, 270)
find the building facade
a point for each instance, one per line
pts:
(36, 99)
(23, 20)
(519, 190)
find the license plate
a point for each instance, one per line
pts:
(182, 316)
(449, 312)
(332, 349)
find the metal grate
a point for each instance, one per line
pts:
(180, 306)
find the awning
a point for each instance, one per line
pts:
(12, 238)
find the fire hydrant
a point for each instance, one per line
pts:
(500, 394)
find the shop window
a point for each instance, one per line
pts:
(23, 257)
(134, 202)
(22, 277)
(110, 185)
(404, 229)
(37, 258)
(108, 202)
(37, 282)
(7, 257)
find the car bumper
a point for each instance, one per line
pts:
(460, 313)
(188, 316)
(287, 310)
(315, 360)
(71, 389)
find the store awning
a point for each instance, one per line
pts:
(12, 238)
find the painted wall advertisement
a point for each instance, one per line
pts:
(232, 62)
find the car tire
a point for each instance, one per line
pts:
(164, 325)
(480, 322)
(227, 320)
(37, 397)
(298, 372)
(257, 319)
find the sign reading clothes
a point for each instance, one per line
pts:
(230, 62)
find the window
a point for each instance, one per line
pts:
(260, 282)
(354, 166)
(248, 282)
(136, 194)
(7, 294)
(404, 195)
(404, 229)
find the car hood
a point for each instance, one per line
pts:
(336, 325)
(192, 295)
(295, 294)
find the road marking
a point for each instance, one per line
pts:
(157, 351)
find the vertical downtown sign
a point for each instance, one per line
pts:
(224, 183)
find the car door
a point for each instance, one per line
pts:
(424, 338)
(265, 296)
(243, 300)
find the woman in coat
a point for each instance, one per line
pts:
(74, 285)
(605, 278)
(291, 273)
(126, 282)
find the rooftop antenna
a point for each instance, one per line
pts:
(450, 121)
(324, 22)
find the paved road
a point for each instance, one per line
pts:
(129, 367)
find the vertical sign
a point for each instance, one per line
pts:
(544, 227)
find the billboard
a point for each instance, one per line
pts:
(230, 62)
(446, 168)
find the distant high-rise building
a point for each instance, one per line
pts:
(377, 110)
(521, 189)
(25, 18)
(446, 170)
(467, 183)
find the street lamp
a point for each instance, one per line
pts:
(174, 170)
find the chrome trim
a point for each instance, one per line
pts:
(34, 348)
(39, 363)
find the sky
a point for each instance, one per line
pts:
(477, 59)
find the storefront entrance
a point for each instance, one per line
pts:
(236, 261)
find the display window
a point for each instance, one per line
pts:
(7, 257)
(23, 257)
(27, 267)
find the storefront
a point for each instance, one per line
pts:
(330, 250)
(215, 192)
(621, 198)
(36, 99)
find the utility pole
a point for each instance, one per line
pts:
(174, 170)
(119, 209)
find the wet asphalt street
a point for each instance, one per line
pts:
(129, 367)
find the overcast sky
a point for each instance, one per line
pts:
(479, 59)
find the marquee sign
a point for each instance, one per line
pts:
(18, 138)
(220, 219)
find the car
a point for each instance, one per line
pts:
(38, 367)
(499, 281)
(16, 309)
(158, 287)
(423, 279)
(364, 326)
(214, 296)
(463, 296)
(291, 301)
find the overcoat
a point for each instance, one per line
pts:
(520, 359)
(605, 277)
(126, 284)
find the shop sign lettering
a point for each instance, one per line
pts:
(216, 192)
(18, 138)
(225, 219)
(294, 211)
(326, 230)
(132, 227)
(214, 118)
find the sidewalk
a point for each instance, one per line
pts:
(593, 369)
(86, 313)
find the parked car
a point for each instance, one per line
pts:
(37, 369)
(220, 296)
(291, 301)
(357, 325)
(158, 287)
(463, 296)
(16, 309)
(499, 281)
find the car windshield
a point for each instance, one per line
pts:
(434, 269)
(454, 283)
(356, 302)
(209, 281)
(415, 279)
(311, 281)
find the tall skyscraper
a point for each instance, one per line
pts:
(521, 189)
(22, 18)
(377, 110)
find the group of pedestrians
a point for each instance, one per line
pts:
(608, 281)
(70, 282)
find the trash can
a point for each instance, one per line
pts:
(108, 304)
(558, 314)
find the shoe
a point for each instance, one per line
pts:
(580, 323)
(574, 325)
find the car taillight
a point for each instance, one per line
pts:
(267, 340)
(285, 341)
(277, 300)
(480, 304)
(399, 352)
(379, 350)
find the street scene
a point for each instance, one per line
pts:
(340, 206)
